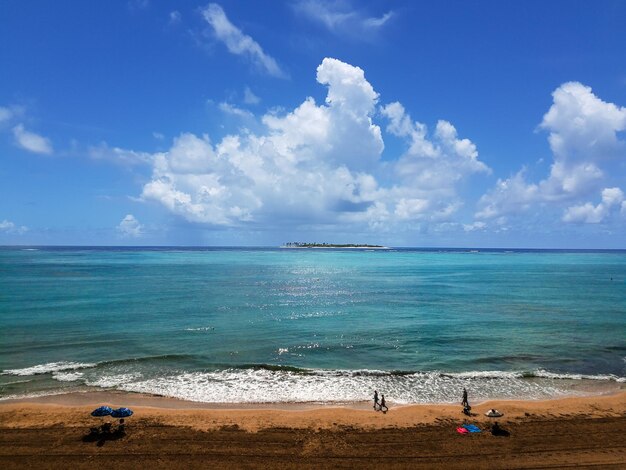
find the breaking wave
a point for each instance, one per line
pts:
(48, 368)
(268, 383)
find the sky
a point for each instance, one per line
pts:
(237, 123)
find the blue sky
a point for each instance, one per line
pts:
(452, 123)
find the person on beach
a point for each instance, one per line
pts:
(383, 405)
(375, 399)
(121, 429)
(465, 404)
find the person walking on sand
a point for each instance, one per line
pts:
(375, 399)
(383, 405)
(466, 406)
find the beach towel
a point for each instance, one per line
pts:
(462, 430)
(471, 427)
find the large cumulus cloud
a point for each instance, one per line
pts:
(317, 164)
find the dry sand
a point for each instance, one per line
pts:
(54, 432)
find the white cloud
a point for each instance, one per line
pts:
(479, 225)
(239, 43)
(583, 137)
(341, 17)
(249, 97)
(587, 213)
(158, 136)
(7, 226)
(581, 125)
(411, 208)
(612, 196)
(130, 227)
(340, 133)
(189, 154)
(510, 195)
(590, 214)
(31, 141)
(315, 165)
(451, 157)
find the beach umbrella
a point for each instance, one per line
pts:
(122, 413)
(102, 411)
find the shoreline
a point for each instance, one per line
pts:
(579, 388)
(404, 415)
(96, 395)
(565, 432)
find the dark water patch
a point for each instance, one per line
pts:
(272, 367)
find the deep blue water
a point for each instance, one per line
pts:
(267, 324)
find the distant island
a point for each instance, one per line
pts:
(334, 245)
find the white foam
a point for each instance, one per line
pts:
(67, 376)
(4, 384)
(49, 367)
(267, 386)
(553, 375)
(116, 380)
(487, 374)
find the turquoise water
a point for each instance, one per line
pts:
(290, 325)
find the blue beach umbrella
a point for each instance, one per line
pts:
(102, 411)
(122, 413)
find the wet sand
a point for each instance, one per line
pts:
(54, 432)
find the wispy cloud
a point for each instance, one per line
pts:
(239, 43)
(138, 4)
(235, 111)
(121, 156)
(5, 114)
(479, 225)
(249, 97)
(31, 141)
(341, 17)
(377, 22)
(175, 17)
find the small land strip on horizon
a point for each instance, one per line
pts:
(334, 246)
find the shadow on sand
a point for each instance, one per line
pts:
(496, 430)
(104, 433)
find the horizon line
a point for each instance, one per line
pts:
(279, 246)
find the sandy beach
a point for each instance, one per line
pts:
(54, 432)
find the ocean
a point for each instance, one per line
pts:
(271, 325)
